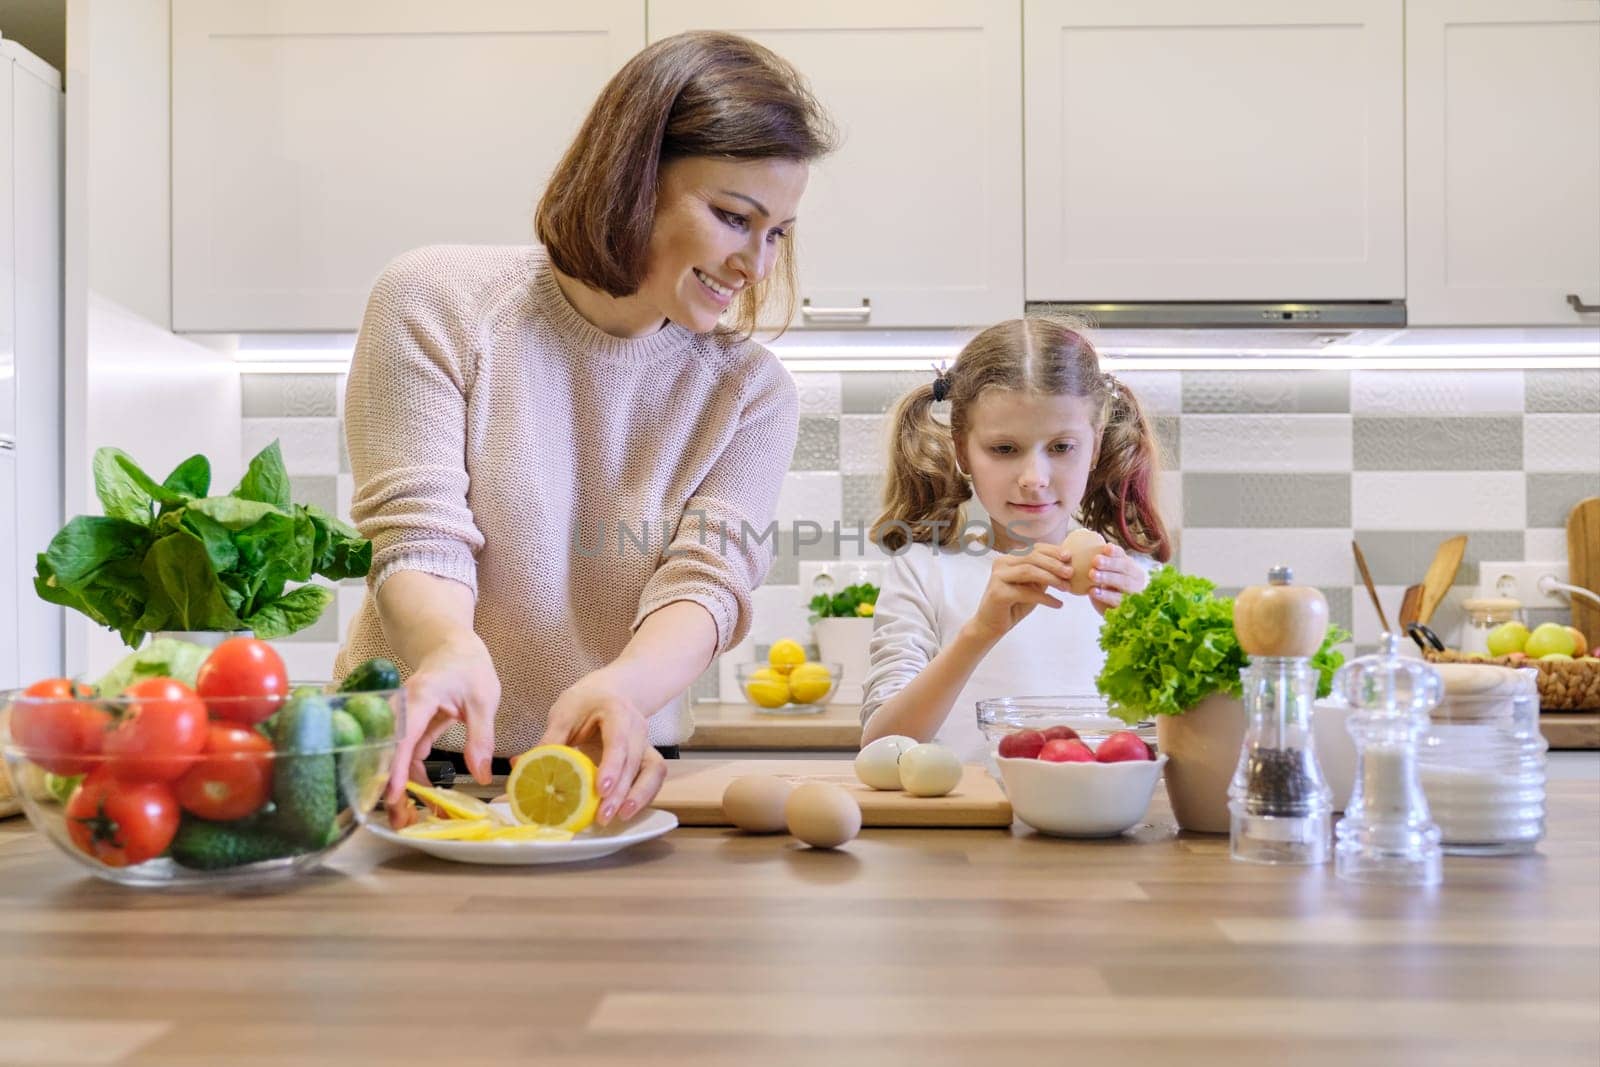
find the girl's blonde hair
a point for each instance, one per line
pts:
(926, 493)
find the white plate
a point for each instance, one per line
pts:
(591, 844)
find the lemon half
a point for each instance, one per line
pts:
(554, 786)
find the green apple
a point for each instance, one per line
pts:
(1507, 638)
(1549, 637)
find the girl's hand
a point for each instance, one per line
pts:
(1018, 584)
(1114, 573)
(597, 716)
(454, 683)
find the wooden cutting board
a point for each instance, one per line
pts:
(693, 792)
(1583, 564)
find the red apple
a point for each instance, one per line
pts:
(1065, 751)
(1024, 744)
(1122, 746)
(1060, 733)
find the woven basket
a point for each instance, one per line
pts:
(1564, 685)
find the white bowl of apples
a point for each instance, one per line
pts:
(1061, 786)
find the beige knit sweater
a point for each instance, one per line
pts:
(500, 440)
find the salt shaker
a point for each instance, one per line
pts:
(1280, 805)
(1387, 834)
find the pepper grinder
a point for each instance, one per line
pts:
(1387, 834)
(1280, 805)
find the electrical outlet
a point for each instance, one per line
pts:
(1521, 582)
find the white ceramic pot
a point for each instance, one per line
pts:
(1080, 799)
(848, 643)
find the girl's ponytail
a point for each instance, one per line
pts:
(925, 490)
(1120, 499)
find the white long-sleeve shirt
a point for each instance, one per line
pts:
(929, 594)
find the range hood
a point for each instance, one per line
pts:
(1334, 314)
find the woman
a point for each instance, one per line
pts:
(511, 409)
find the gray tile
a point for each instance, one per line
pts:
(708, 686)
(344, 451)
(1562, 390)
(1169, 434)
(863, 498)
(785, 569)
(319, 489)
(325, 629)
(274, 396)
(1281, 392)
(1401, 557)
(1552, 496)
(817, 448)
(874, 392)
(811, 650)
(1270, 500)
(1438, 443)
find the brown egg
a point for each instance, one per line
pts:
(755, 803)
(823, 815)
(1083, 545)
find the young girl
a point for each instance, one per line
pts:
(1047, 442)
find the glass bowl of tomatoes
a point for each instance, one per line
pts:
(237, 779)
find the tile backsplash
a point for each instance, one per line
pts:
(1260, 466)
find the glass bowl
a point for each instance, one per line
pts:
(1085, 713)
(765, 693)
(119, 786)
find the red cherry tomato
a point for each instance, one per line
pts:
(160, 735)
(233, 777)
(243, 680)
(121, 823)
(56, 730)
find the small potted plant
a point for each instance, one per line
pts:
(1172, 655)
(841, 625)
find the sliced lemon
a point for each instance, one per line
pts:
(528, 833)
(785, 655)
(809, 683)
(553, 786)
(767, 688)
(450, 830)
(454, 804)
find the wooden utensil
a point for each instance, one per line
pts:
(1410, 604)
(1441, 575)
(1366, 579)
(1583, 564)
(693, 792)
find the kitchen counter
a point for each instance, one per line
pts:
(724, 727)
(910, 946)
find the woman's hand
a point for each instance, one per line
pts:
(1018, 584)
(456, 682)
(596, 714)
(1114, 573)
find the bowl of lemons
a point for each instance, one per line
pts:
(789, 683)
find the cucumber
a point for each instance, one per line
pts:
(211, 846)
(374, 674)
(373, 713)
(304, 785)
(347, 732)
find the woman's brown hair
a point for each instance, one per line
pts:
(926, 491)
(694, 94)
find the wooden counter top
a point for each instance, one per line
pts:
(938, 947)
(724, 727)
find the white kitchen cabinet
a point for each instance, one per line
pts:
(1503, 161)
(917, 219)
(1246, 150)
(313, 141)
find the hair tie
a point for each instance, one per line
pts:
(941, 382)
(1113, 386)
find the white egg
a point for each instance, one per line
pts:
(822, 814)
(878, 764)
(755, 803)
(929, 770)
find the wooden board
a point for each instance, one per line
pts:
(740, 726)
(693, 793)
(1571, 729)
(1583, 564)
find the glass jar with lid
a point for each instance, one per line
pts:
(1483, 615)
(1481, 760)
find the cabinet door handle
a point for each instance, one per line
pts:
(846, 314)
(1579, 306)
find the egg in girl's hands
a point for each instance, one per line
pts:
(822, 815)
(755, 803)
(1083, 545)
(878, 763)
(929, 770)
